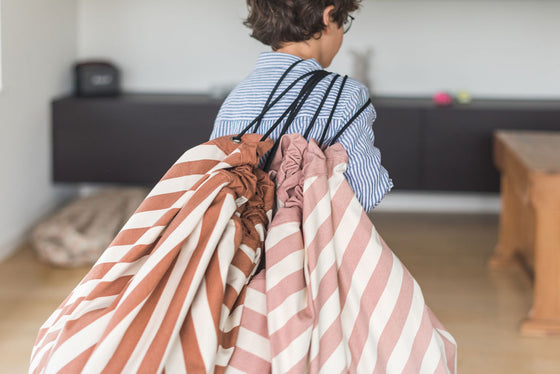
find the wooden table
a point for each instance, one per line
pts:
(529, 163)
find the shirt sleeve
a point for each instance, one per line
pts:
(365, 174)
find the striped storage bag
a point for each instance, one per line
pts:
(167, 294)
(334, 298)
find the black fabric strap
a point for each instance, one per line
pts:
(324, 134)
(266, 109)
(318, 111)
(274, 91)
(294, 109)
(368, 103)
(291, 108)
(303, 96)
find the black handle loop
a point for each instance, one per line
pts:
(368, 103)
(289, 110)
(324, 134)
(294, 109)
(284, 75)
(297, 104)
(318, 111)
(267, 108)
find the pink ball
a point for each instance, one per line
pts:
(442, 99)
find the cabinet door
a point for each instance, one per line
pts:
(111, 141)
(397, 135)
(458, 145)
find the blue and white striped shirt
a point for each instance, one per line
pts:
(369, 180)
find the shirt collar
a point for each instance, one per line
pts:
(282, 60)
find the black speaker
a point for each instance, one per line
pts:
(96, 78)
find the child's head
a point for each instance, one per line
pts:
(277, 22)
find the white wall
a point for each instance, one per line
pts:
(169, 45)
(38, 48)
(493, 48)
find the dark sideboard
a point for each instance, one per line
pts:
(135, 138)
(129, 139)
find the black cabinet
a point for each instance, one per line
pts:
(135, 138)
(397, 133)
(428, 148)
(131, 139)
(458, 145)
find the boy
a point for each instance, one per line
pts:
(311, 31)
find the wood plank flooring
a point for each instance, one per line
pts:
(447, 254)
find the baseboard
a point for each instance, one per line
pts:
(9, 247)
(440, 202)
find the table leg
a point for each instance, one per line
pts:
(544, 318)
(508, 236)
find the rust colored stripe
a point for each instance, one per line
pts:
(159, 202)
(68, 309)
(185, 284)
(214, 282)
(167, 217)
(136, 329)
(243, 262)
(128, 237)
(144, 288)
(137, 252)
(98, 271)
(214, 290)
(191, 350)
(78, 363)
(104, 289)
(230, 297)
(200, 167)
(199, 196)
(228, 339)
(73, 327)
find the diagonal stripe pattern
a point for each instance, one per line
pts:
(175, 292)
(334, 298)
(168, 293)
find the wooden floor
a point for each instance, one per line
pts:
(447, 254)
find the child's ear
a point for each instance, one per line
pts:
(327, 16)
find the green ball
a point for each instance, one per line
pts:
(464, 97)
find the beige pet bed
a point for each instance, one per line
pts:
(78, 233)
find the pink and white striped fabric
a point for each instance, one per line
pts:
(334, 297)
(167, 294)
(173, 292)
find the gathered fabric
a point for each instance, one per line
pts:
(167, 294)
(333, 298)
(179, 289)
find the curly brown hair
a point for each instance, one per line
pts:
(275, 22)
